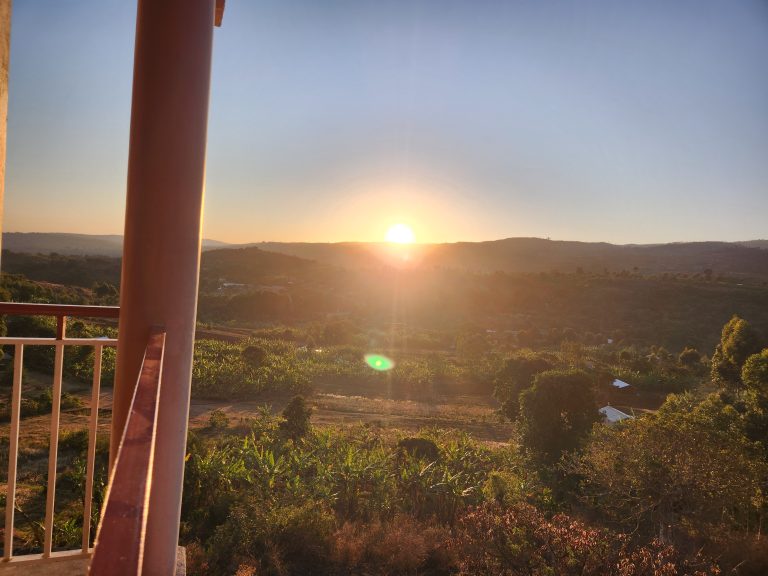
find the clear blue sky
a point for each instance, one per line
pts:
(468, 120)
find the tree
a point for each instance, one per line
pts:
(515, 376)
(557, 412)
(689, 357)
(738, 342)
(687, 467)
(754, 374)
(105, 291)
(296, 417)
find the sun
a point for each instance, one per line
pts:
(400, 234)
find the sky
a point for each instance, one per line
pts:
(625, 122)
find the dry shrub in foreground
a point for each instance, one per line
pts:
(245, 570)
(520, 540)
(403, 545)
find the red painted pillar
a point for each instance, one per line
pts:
(161, 254)
(5, 51)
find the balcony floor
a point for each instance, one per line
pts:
(71, 566)
(68, 567)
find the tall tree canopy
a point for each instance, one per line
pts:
(754, 374)
(737, 343)
(516, 375)
(557, 412)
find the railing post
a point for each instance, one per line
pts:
(161, 250)
(61, 327)
(53, 451)
(93, 430)
(13, 448)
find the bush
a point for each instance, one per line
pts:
(494, 541)
(296, 417)
(403, 545)
(293, 539)
(690, 465)
(218, 419)
(689, 358)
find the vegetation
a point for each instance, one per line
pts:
(284, 489)
(556, 412)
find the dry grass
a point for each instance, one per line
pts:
(473, 414)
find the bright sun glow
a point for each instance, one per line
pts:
(400, 233)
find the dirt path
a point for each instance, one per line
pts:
(473, 414)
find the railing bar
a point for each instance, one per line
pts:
(13, 449)
(124, 517)
(79, 311)
(92, 434)
(53, 452)
(33, 341)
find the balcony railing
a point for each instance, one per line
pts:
(60, 342)
(119, 549)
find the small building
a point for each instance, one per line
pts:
(612, 415)
(620, 384)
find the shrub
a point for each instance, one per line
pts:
(218, 419)
(689, 357)
(294, 538)
(296, 418)
(402, 545)
(689, 464)
(494, 541)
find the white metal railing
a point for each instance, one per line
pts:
(59, 343)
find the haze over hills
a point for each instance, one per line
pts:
(521, 255)
(513, 255)
(651, 294)
(74, 244)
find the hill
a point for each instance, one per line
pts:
(248, 266)
(740, 260)
(530, 255)
(74, 244)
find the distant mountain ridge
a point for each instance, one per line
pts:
(74, 244)
(527, 255)
(513, 255)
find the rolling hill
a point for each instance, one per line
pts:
(739, 260)
(74, 244)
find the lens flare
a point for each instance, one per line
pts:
(379, 362)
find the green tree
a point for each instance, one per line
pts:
(516, 375)
(105, 292)
(754, 374)
(689, 467)
(296, 417)
(738, 342)
(557, 412)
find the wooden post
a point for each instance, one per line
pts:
(161, 252)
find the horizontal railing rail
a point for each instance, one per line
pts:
(119, 547)
(61, 312)
(74, 310)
